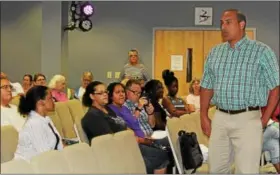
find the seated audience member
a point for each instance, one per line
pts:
(140, 107)
(39, 80)
(143, 111)
(27, 82)
(154, 90)
(57, 85)
(116, 103)
(271, 139)
(193, 99)
(87, 78)
(156, 159)
(17, 88)
(174, 105)
(9, 112)
(38, 134)
(101, 120)
(133, 69)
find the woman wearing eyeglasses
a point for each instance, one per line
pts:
(133, 69)
(99, 119)
(9, 113)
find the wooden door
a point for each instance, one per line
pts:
(214, 37)
(176, 42)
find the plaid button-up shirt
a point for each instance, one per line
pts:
(241, 76)
(143, 118)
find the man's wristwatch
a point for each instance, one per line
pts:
(138, 109)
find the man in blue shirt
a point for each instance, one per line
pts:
(240, 76)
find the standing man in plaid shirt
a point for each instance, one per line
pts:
(240, 76)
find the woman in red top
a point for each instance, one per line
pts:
(271, 138)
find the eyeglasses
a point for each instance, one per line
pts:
(101, 93)
(6, 87)
(135, 92)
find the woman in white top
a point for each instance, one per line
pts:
(9, 113)
(193, 99)
(38, 134)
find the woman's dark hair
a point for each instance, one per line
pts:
(29, 76)
(36, 76)
(87, 101)
(168, 77)
(110, 90)
(28, 102)
(151, 90)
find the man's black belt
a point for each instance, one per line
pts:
(239, 111)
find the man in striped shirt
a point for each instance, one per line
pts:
(240, 76)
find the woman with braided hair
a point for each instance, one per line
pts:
(174, 105)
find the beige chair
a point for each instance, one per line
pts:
(57, 122)
(9, 141)
(131, 154)
(15, 100)
(117, 154)
(51, 162)
(192, 124)
(189, 123)
(108, 156)
(66, 119)
(16, 167)
(77, 112)
(81, 160)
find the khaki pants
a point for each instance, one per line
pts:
(235, 139)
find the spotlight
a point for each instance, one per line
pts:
(80, 13)
(87, 9)
(85, 25)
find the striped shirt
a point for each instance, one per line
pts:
(241, 76)
(143, 118)
(177, 102)
(36, 137)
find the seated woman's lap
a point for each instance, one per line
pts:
(154, 158)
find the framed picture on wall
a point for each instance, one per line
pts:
(203, 16)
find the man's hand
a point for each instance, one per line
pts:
(206, 125)
(264, 121)
(142, 101)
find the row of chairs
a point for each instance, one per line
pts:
(108, 154)
(67, 119)
(192, 123)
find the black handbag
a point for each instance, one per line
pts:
(191, 153)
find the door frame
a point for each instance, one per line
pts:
(186, 29)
